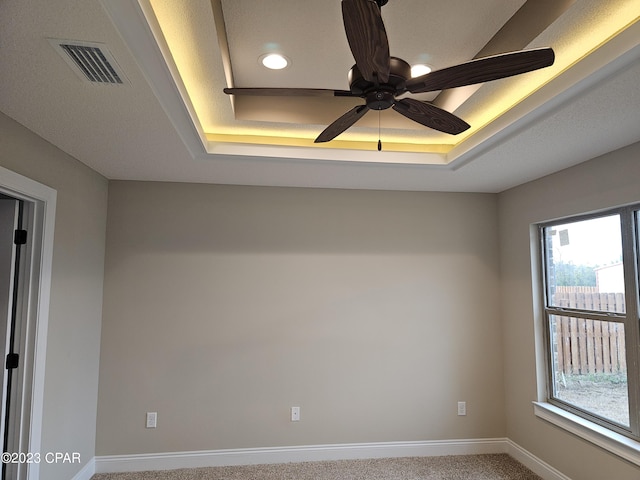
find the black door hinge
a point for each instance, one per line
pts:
(20, 237)
(12, 361)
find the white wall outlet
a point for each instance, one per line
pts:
(462, 408)
(152, 419)
(295, 414)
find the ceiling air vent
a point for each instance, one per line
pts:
(91, 61)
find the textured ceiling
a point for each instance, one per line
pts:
(171, 121)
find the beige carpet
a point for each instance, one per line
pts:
(466, 467)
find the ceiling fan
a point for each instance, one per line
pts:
(379, 78)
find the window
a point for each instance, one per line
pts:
(591, 297)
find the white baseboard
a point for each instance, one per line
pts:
(87, 471)
(533, 463)
(312, 453)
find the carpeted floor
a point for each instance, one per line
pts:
(466, 467)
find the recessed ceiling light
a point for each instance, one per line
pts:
(419, 69)
(274, 61)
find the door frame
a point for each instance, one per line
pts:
(41, 224)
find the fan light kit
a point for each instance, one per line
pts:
(379, 78)
(274, 61)
(419, 69)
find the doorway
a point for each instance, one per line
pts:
(27, 211)
(12, 272)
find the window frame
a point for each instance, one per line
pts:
(561, 410)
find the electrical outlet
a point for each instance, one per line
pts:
(152, 419)
(295, 414)
(462, 408)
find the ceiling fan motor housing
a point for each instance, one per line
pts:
(380, 96)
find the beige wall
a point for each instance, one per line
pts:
(604, 182)
(375, 312)
(73, 342)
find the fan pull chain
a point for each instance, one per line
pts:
(379, 142)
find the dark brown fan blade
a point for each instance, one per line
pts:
(341, 124)
(289, 92)
(483, 70)
(430, 116)
(367, 38)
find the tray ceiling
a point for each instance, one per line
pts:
(170, 121)
(211, 45)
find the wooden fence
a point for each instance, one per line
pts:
(589, 346)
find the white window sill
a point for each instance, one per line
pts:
(611, 441)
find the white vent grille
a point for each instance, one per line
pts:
(91, 61)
